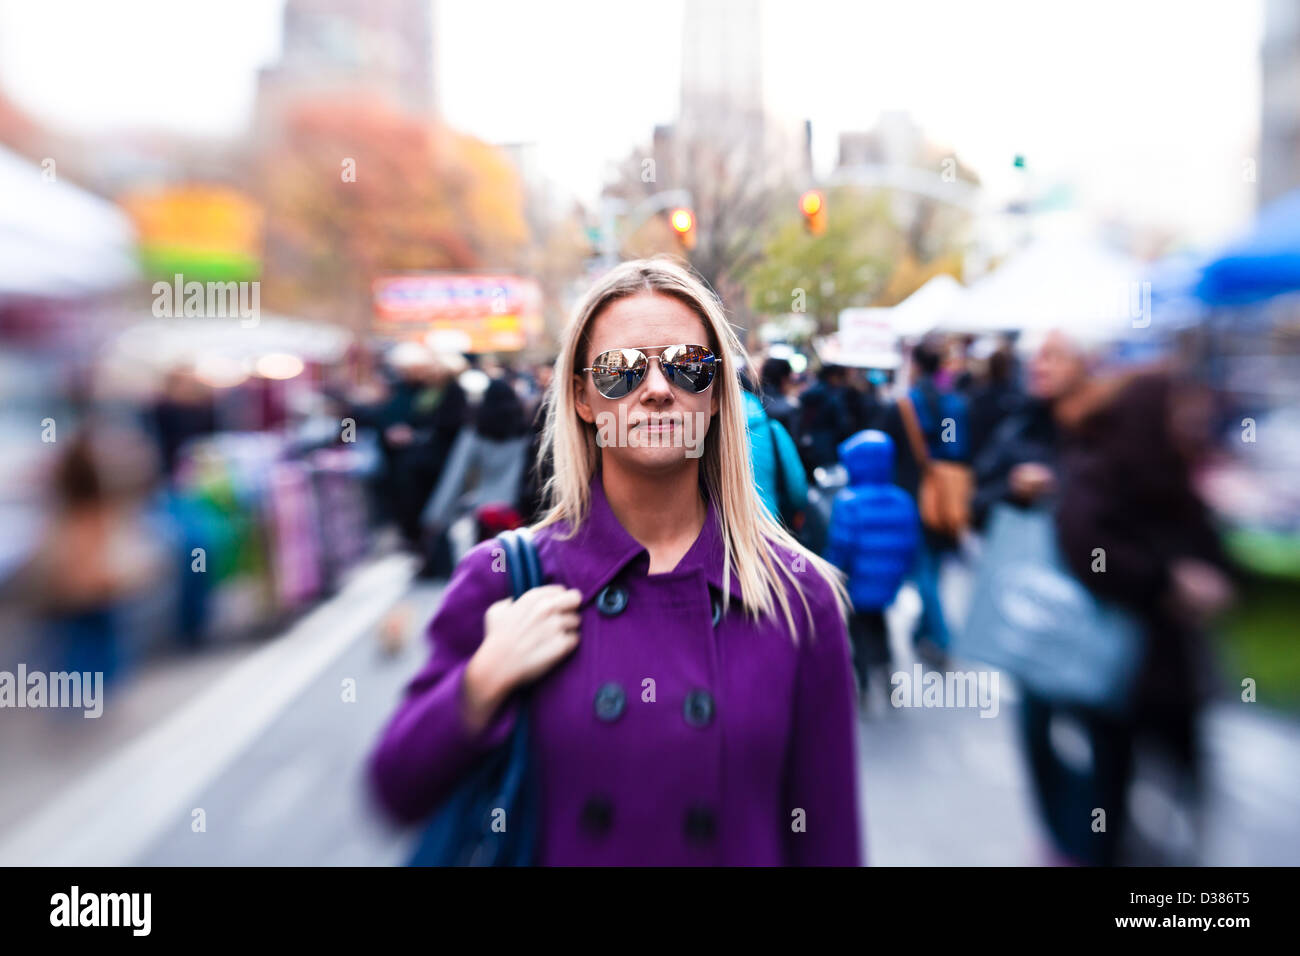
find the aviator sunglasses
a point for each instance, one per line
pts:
(617, 372)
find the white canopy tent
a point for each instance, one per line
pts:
(921, 311)
(165, 343)
(57, 240)
(1074, 282)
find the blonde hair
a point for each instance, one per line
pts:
(750, 534)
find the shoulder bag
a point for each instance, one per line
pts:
(465, 830)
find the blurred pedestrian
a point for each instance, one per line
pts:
(691, 695)
(1126, 494)
(182, 412)
(777, 385)
(824, 419)
(96, 553)
(778, 472)
(538, 465)
(994, 399)
(484, 469)
(874, 535)
(425, 414)
(935, 423)
(1017, 461)
(1099, 452)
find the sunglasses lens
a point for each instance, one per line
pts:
(617, 372)
(690, 367)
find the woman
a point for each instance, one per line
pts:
(693, 701)
(778, 472)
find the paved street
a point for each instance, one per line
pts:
(265, 745)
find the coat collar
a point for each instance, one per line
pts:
(602, 548)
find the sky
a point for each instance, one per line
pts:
(1149, 108)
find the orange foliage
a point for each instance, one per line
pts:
(355, 190)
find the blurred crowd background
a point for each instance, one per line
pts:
(246, 363)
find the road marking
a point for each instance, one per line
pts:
(117, 810)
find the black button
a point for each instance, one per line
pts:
(698, 708)
(717, 608)
(700, 825)
(597, 815)
(611, 600)
(610, 702)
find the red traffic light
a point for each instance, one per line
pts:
(683, 222)
(813, 206)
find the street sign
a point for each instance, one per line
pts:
(480, 313)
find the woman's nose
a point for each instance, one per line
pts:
(656, 385)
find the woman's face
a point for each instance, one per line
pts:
(657, 426)
(1057, 369)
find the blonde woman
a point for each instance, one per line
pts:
(692, 694)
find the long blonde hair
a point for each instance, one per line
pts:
(750, 534)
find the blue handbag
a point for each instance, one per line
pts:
(490, 819)
(1032, 618)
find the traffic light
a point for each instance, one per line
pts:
(813, 206)
(683, 222)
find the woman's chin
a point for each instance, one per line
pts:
(656, 460)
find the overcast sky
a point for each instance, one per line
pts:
(1149, 107)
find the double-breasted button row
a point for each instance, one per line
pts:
(611, 701)
(699, 823)
(611, 601)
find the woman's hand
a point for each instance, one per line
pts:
(1200, 590)
(1029, 481)
(522, 640)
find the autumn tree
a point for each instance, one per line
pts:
(847, 265)
(354, 190)
(736, 173)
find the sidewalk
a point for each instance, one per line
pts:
(101, 796)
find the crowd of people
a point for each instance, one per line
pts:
(926, 457)
(1108, 454)
(890, 475)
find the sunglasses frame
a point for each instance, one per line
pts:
(717, 361)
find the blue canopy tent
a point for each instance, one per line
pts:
(1264, 264)
(1237, 286)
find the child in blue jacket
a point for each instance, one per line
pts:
(874, 534)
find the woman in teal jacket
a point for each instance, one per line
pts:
(769, 444)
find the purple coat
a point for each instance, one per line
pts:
(662, 739)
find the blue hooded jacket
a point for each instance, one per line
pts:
(874, 523)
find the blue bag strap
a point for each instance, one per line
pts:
(531, 560)
(514, 566)
(522, 561)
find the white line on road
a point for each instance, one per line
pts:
(115, 811)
